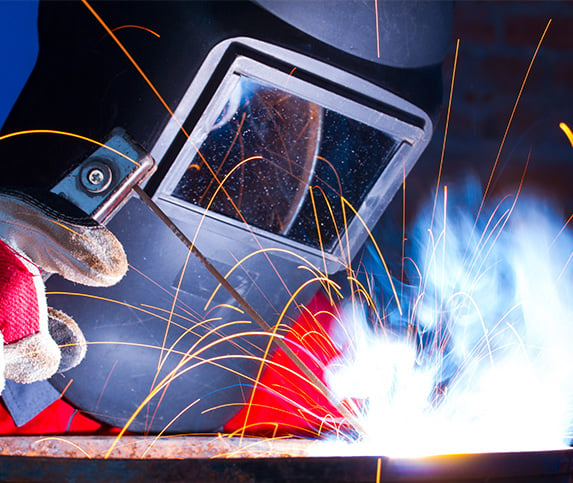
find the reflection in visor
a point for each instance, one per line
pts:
(274, 146)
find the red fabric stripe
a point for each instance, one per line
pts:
(58, 418)
(19, 310)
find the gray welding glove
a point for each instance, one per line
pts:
(42, 232)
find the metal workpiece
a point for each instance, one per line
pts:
(219, 459)
(154, 447)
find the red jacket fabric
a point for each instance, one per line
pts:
(19, 308)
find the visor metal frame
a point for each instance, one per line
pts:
(313, 81)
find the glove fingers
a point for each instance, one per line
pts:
(33, 358)
(61, 238)
(69, 338)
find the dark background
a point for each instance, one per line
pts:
(497, 42)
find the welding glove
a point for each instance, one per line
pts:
(42, 232)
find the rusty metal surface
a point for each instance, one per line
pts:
(149, 447)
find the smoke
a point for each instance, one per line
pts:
(479, 359)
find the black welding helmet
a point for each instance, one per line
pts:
(293, 126)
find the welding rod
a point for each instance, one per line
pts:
(249, 309)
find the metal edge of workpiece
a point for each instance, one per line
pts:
(546, 466)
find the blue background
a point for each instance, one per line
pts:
(18, 49)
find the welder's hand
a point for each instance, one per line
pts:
(40, 231)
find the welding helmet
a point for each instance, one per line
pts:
(292, 125)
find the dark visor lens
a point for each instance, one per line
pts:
(283, 164)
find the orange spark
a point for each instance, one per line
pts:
(136, 27)
(52, 438)
(125, 304)
(511, 117)
(66, 388)
(378, 251)
(561, 231)
(567, 130)
(312, 267)
(65, 133)
(135, 64)
(377, 29)
(446, 129)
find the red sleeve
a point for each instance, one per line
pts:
(58, 418)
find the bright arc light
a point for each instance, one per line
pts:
(490, 367)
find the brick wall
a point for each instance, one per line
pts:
(497, 42)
